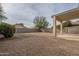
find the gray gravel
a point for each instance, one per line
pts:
(38, 44)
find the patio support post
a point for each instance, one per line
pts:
(54, 26)
(61, 27)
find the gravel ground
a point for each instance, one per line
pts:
(38, 44)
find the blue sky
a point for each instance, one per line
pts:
(25, 12)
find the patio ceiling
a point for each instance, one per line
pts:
(68, 15)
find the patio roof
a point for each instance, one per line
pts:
(68, 15)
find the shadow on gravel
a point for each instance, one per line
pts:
(16, 37)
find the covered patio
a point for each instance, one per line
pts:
(64, 16)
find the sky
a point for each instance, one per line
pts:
(26, 12)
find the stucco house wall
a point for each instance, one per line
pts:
(73, 29)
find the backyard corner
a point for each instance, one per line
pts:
(39, 29)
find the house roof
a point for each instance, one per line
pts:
(68, 15)
(76, 23)
(19, 25)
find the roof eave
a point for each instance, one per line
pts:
(65, 12)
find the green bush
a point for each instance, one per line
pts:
(7, 30)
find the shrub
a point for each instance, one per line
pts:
(7, 30)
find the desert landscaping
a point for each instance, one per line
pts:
(37, 30)
(38, 44)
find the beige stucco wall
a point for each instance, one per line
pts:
(73, 29)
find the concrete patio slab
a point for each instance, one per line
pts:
(70, 36)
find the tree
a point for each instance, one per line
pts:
(2, 16)
(40, 23)
(65, 24)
